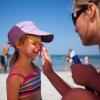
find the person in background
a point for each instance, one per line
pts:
(72, 57)
(3, 63)
(24, 80)
(5, 56)
(69, 56)
(86, 18)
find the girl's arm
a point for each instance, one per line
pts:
(56, 81)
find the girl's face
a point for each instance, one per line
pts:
(31, 47)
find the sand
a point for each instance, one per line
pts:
(48, 91)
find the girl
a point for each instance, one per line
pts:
(24, 81)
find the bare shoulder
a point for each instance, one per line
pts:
(80, 94)
(15, 76)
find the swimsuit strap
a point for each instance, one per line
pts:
(17, 74)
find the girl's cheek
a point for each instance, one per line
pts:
(31, 48)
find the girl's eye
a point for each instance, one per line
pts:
(35, 43)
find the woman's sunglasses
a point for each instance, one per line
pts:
(76, 14)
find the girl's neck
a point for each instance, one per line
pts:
(23, 61)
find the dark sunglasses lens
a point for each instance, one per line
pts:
(73, 19)
(78, 13)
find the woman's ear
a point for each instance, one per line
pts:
(91, 10)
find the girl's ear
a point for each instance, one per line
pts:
(18, 44)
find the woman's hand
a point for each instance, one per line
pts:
(83, 74)
(46, 61)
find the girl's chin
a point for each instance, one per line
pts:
(34, 57)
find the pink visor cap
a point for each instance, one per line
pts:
(27, 27)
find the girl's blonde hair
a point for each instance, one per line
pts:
(22, 40)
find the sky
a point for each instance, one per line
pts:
(53, 16)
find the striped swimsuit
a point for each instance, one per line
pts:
(31, 84)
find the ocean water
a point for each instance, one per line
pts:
(59, 63)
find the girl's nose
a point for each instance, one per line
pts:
(37, 48)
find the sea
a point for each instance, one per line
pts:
(60, 63)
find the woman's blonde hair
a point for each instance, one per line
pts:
(22, 40)
(83, 2)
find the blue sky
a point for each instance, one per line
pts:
(52, 16)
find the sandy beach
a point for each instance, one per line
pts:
(48, 91)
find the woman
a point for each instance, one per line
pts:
(24, 80)
(86, 19)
